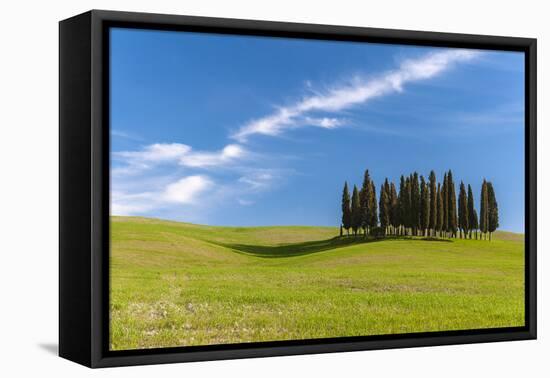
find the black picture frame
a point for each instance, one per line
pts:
(84, 187)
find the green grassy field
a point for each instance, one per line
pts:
(179, 284)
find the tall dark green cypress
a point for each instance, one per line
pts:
(346, 208)
(475, 224)
(415, 198)
(355, 211)
(453, 223)
(445, 197)
(492, 215)
(408, 205)
(402, 205)
(394, 209)
(484, 209)
(440, 211)
(433, 202)
(424, 206)
(388, 198)
(472, 216)
(364, 196)
(463, 215)
(373, 207)
(384, 207)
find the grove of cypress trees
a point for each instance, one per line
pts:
(484, 205)
(463, 217)
(424, 206)
(433, 202)
(346, 208)
(355, 211)
(453, 223)
(472, 215)
(492, 208)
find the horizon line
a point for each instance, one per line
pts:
(257, 226)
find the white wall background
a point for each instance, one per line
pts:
(29, 188)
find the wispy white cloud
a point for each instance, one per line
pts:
(123, 203)
(123, 134)
(201, 159)
(254, 182)
(157, 152)
(118, 133)
(187, 194)
(244, 202)
(185, 191)
(181, 154)
(324, 122)
(346, 96)
(488, 121)
(259, 179)
(496, 116)
(135, 162)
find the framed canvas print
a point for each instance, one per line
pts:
(234, 188)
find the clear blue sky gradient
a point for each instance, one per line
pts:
(198, 89)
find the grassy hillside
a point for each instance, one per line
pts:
(178, 284)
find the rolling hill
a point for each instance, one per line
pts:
(179, 284)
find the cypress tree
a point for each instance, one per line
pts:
(402, 204)
(440, 211)
(475, 224)
(433, 202)
(445, 197)
(408, 205)
(415, 203)
(463, 215)
(453, 223)
(384, 207)
(492, 215)
(394, 208)
(484, 204)
(364, 195)
(373, 207)
(346, 208)
(424, 206)
(388, 199)
(472, 216)
(387, 188)
(355, 211)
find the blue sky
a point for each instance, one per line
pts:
(231, 130)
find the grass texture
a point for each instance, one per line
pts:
(179, 284)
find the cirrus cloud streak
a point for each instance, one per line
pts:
(344, 97)
(181, 154)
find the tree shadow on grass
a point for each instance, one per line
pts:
(306, 248)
